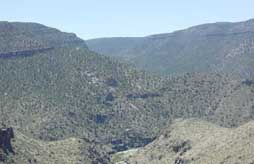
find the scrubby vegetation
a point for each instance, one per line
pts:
(215, 47)
(195, 141)
(68, 91)
(71, 150)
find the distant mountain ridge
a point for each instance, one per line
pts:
(25, 38)
(214, 47)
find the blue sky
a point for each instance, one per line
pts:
(105, 18)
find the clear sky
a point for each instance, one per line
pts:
(105, 18)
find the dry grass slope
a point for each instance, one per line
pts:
(198, 142)
(67, 151)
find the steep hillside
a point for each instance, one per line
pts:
(196, 142)
(68, 91)
(213, 97)
(68, 151)
(219, 47)
(27, 38)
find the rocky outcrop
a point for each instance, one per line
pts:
(6, 134)
(25, 53)
(24, 39)
(142, 95)
(248, 82)
(179, 161)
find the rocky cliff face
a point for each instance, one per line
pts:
(27, 38)
(6, 134)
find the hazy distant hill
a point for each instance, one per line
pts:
(195, 141)
(226, 47)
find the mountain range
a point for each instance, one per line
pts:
(57, 94)
(215, 47)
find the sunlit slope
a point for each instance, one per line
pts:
(198, 142)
